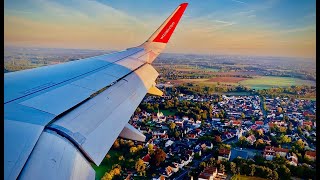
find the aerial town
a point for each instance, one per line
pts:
(223, 117)
(230, 135)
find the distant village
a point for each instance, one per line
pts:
(268, 127)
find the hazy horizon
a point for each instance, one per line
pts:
(278, 28)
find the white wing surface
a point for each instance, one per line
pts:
(60, 118)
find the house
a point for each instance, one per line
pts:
(185, 118)
(146, 159)
(267, 140)
(311, 155)
(236, 123)
(168, 172)
(281, 151)
(159, 133)
(144, 130)
(224, 154)
(168, 143)
(292, 158)
(270, 152)
(175, 167)
(259, 123)
(305, 123)
(207, 145)
(251, 139)
(209, 173)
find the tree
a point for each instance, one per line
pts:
(139, 147)
(107, 176)
(158, 157)
(133, 150)
(299, 130)
(140, 167)
(218, 139)
(222, 168)
(243, 116)
(259, 143)
(275, 175)
(308, 127)
(300, 144)
(172, 125)
(176, 134)
(203, 164)
(282, 129)
(150, 148)
(121, 158)
(116, 144)
(284, 172)
(269, 173)
(233, 167)
(130, 143)
(108, 156)
(285, 139)
(260, 132)
(253, 169)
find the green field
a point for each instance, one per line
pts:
(106, 164)
(166, 112)
(242, 177)
(266, 82)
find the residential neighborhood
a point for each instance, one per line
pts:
(238, 127)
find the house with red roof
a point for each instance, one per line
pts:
(236, 123)
(224, 154)
(146, 159)
(259, 123)
(311, 155)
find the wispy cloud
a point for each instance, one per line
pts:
(241, 2)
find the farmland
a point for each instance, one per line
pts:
(257, 82)
(265, 82)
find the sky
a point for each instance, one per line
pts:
(236, 27)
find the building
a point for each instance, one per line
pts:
(270, 152)
(292, 158)
(259, 123)
(209, 173)
(224, 154)
(251, 139)
(311, 155)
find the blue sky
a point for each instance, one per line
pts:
(250, 27)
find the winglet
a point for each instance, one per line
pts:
(159, 39)
(164, 32)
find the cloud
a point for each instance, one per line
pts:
(92, 24)
(241, 2)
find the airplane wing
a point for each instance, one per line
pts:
(60, 118)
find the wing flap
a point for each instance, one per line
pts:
(107, 112)
(129, 132)
(19, 140)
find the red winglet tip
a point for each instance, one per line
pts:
(168, 29)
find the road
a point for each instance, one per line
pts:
(195, 164)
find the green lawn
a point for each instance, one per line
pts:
(242, 177)
(166, 112)
(106, 164)
(265, 82)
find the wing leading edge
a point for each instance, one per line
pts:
(60, 118)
